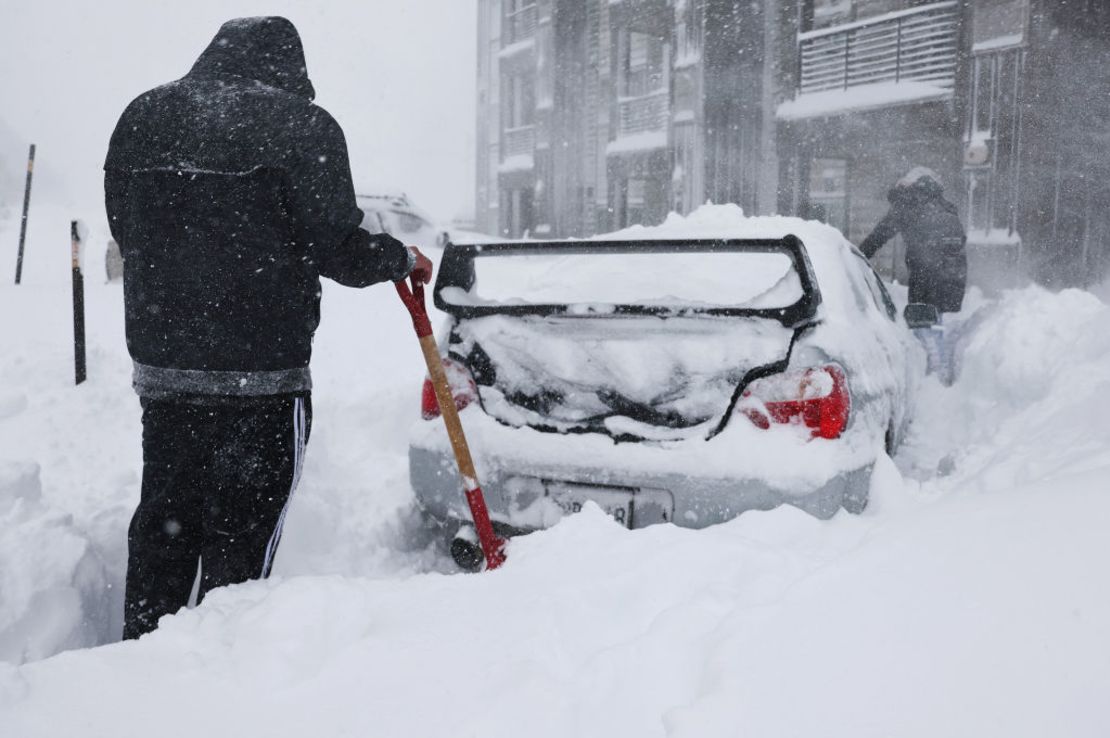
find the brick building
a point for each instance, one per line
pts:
(596, 114)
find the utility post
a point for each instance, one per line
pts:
(76, 234)
(23, 223)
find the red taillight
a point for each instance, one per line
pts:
(818, 398)
(463, 389)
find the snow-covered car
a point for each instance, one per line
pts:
(666, 379)
(396, 215)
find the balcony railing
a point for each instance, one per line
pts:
(518, 141)
(644, 113)
(519, 25)
(911, 45)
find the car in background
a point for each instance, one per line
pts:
(665, 379)
(396, 215)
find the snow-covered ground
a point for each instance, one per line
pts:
(969, 599)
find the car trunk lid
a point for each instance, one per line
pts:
(638, 340)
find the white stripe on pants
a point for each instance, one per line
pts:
(298, 462)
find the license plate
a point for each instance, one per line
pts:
(616, 503)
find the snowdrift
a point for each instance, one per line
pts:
(52, 596)
(967, 600)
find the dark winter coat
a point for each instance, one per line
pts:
(230, 195)
(935, 239)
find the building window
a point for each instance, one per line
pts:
(635, 201)
(684, 171)
(991, 141)
(830, 12)
(493, 159)
(817, 14)
(517, 212)
(520, 20)
(520, 100)
(828, 192)
(688, 34)
(517, 6)
(995, 21)
(642, 64)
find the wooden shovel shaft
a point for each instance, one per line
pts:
(449, 411)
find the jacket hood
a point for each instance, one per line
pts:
(919, 175)
(920, 184)
(265, 49)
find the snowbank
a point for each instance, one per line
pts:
(53, 586)
(956, 621)
(1031, 398)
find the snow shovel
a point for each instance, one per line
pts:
(493, 546)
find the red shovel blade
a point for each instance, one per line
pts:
(493, 546)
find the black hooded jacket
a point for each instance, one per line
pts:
(935, 238)
(230, 195)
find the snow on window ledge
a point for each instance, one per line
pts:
(645, 141)
(517, 163)
(517, 48)
(997, 44)
(862, 97)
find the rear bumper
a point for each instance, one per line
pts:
(515, 492)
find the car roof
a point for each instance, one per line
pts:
(398, 203)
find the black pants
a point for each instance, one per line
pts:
(216, 485)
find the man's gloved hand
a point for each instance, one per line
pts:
(421, 266)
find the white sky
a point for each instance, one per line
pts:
(397, 74)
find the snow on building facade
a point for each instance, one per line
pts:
(595, 114)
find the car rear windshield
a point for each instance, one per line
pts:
(675, 278)
(760, 278)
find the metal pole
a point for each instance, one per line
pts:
(23, 223)
(78, 304)
(1015, 156)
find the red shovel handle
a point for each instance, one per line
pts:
(492, 546)
(414, 301)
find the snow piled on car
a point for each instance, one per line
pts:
(967, 600)
(685, 367)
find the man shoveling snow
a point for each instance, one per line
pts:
(230, 195)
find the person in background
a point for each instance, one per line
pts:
(935, 256)
(934, 237)
(230, 195)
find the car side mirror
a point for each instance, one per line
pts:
(921, 315)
